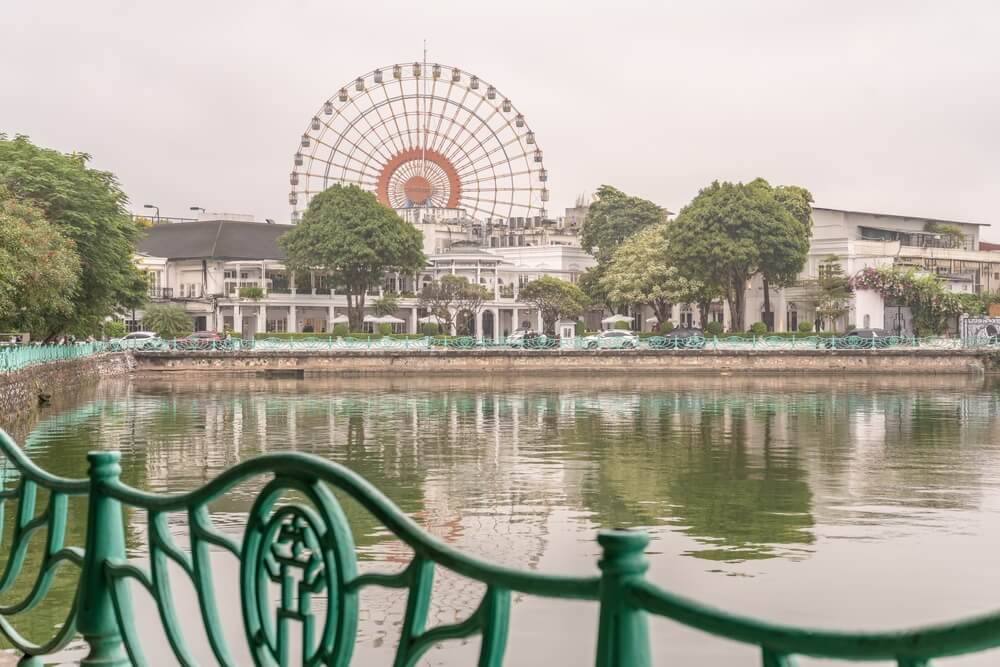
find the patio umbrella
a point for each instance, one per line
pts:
(614, 319)
(431, 319)
(652, 320)
(340, 319)
(385, 319)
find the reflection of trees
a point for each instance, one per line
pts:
(703, 463)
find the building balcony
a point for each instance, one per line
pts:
(159, 293)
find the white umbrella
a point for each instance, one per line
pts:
(431, 319)
(614, 319)
(652, 320)
(385, 319)
(340, 319)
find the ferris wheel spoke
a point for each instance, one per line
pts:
(382, 122)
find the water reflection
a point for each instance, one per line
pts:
(746, 470)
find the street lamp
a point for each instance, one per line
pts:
(197, 208)
(157, 210)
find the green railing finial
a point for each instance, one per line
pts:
(105, 541)
(623, 634)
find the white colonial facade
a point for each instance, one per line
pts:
(203, 265)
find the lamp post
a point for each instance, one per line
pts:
(157, 211)
(197, 208)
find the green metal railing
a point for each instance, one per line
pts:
(16, 357)
(666, 342)
(304, 549)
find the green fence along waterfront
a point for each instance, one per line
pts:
(16, 357)
(304, 549)
(655, 342)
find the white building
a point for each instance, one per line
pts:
(203, 264)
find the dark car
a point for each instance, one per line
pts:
(681, 338)
(201, 340)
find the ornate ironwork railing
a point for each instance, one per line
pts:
(543, 342)
(297, 542)
(16, 357)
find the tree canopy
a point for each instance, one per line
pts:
(449, 295)
(39, 270)
(348, 234)
(555, 299)
(167, 319)
(87, 206)
(730, 232)
(640, 272)
(613, 217)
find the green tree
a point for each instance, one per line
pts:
(785, 248)
(613, 217)
(830, 293)
(386, 305)
(555, 299)
(593, 285)
(87, 206)
(349, 234)
(39, 270)
(640, 272)
(728, 234)
(167, 320)
(451, 294)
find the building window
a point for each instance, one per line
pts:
(792, 318)
(828, 270)
(867, 321)
(277, 326)
(229, 274)
(687, 316)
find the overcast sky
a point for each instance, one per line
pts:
(883, 106)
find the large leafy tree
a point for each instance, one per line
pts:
(39, 270)
(347, 233)
(87, 206)
(450, 294)
(729, 233)
(613, 217)
(640, 272)
(784, 250)
(555, 299)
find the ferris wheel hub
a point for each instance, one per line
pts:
(417, 190)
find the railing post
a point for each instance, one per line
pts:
(622, 635)
(105, 540)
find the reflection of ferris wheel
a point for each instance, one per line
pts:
(419, 135)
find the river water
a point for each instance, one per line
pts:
(830, 501)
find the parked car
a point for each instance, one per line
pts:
(528, 339)
(681, 338)
(138, 340)
(614, 339)
(201, 340)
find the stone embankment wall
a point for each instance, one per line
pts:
(552, 361)
(19, 391)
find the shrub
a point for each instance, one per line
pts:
(430, 329)
(579, 328)
(251, 292)
(805, 327)
(341, 330)
(114, 329)
(666, 327)
(384, 328)
(758, 328)
(713, 328)
(621, 325)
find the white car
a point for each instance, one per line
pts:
(139, 340)
(615, 339)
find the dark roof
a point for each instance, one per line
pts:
(215, 239)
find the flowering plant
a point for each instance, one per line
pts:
(925, 295)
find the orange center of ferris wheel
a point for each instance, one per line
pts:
(418, 189)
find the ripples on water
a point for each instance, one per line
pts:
(836, 501)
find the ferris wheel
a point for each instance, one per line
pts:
(421, 135)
